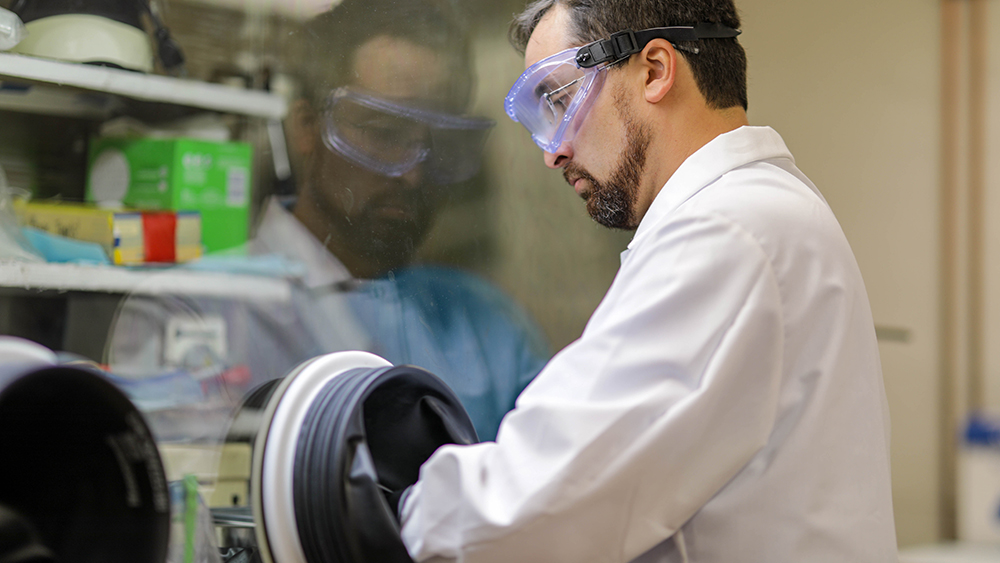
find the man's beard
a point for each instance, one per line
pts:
(613, 203)
(388, 242)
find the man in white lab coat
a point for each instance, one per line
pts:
(725, 402)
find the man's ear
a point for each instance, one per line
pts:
(659, 66)
(303, 128)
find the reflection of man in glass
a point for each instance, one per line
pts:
(378, 139)
(379, 135)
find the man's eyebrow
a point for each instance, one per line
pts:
(544, 87)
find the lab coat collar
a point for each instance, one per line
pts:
(726, 152)
(281, 233)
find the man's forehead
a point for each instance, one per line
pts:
(551, 35)
(398, 69)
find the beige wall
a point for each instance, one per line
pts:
(853, 86)
(991, 385)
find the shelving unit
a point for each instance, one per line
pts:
(143, 281)
(52, 100)
(71, 306)
(138, 86)
(35, 85)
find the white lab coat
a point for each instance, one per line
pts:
(724, 404)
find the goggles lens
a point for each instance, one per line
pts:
(391, 139)
(551, 98)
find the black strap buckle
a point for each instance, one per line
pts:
(619, 46)
(624, 44)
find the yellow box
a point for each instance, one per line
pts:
(188, 237)
(119, 232)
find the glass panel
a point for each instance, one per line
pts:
(245, 224)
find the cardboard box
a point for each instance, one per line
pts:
(120, 233)
(127, 236)
(172, 236)
(212, 178)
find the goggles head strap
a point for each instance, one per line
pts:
(626, 43)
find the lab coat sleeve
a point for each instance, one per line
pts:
(669, 392)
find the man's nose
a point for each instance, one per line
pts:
(559, 158)
(414, 177)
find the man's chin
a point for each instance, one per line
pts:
(611, 208)
(392, 237)
(390, 226)
(395, 213)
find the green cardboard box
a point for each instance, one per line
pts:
(212, 178)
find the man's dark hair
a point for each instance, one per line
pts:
(331, 39)
(720, 66)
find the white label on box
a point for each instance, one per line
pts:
(195, 340)
(237, 186)
(109, 176)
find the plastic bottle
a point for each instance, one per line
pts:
(11, 29)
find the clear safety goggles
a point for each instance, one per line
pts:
(392, 139)
(552, 97)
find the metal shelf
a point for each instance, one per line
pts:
(71, 89)
(53, 100)
(145, 281)
(143, 87)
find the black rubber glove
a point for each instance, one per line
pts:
(395, 500)
(19, 542)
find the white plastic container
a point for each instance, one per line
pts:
(979, 481)
(11, 29)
